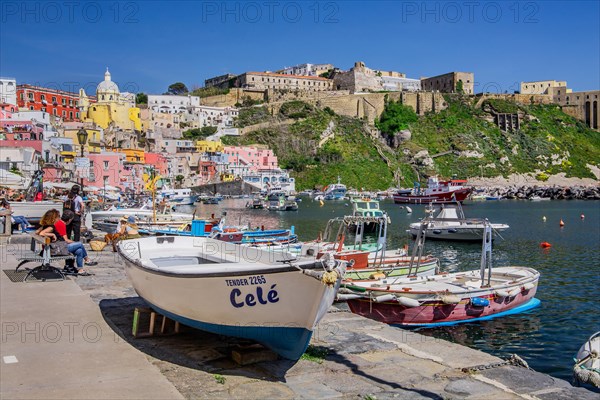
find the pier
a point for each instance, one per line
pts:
(73, 339)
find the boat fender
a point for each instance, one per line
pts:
(437, 231)
(452, 230)
(346, 297)
(514, 292)
(376, 276)
(501, 293)
(384, 298)
(450, 299)
(408, 302)
(528, 286)
(479, 302)
(562, 223)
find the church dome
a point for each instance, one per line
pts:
(107, 86)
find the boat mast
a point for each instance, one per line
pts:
(486, 254)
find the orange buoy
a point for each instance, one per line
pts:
(545, 245)
(562, 223)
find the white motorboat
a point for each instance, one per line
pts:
(34, 210)
(451, 224)
(107, 220)
(177, 196)
(234, 290)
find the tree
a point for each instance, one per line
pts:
(459, 86)
(179, 179)
(395, 117)
(199, 133)
(177, 88)
(141, 98)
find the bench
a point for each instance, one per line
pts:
(45, 258)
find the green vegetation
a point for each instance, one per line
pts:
(219, 378)
(141, 98)
(252, 116)
(248, 101)
(315, 354)
(177, 88)
(395, 117)
(460, 140)
(209, 91)
(199, 133)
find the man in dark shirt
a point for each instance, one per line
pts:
(74, 227)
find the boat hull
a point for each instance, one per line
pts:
(456, 195)
(277, 306)
(434, 309)
(464, 233)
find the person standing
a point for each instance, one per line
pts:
(74, 202)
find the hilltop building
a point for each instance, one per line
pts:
(55, 102)
(542, 87)
(270, 80)
(306, 69)
(113, 108)
(450, 83)
(222, 81)
(363, 79)
(8, 93)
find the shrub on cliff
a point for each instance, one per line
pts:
(296, 109)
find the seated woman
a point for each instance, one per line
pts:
(15, 219)
(56, 228)
(128, 228)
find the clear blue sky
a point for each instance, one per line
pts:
(149, 45)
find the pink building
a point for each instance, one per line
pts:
(107, 169)
(247, 159)
(160, 162)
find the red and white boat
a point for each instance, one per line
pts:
(446, 298)
(435, 192)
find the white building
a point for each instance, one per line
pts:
(398, 84)
(307, 69)
(24, 159)
(172, 104)
(8, 91)
(221, 117)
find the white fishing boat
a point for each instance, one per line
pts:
(451, 224)
(586, 370)
(106, 220)
(234, 290)
(177, 196)
(335, 191)
(447, 298)
(34, 210)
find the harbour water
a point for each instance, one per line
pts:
(547, 337)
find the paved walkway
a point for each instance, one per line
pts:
(72, 339)
(64, 348)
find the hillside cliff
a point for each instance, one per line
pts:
(462, 140)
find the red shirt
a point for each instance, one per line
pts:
(60, 228)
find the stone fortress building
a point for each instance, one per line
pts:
(360, 78)
(450, 83)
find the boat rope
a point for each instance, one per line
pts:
(582, 374)
(512, 360)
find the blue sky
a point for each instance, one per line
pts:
(149, 45)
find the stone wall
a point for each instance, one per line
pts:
(234, 96)
(581, 105)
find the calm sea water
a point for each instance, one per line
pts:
(547, 337)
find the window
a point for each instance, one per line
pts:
(106, 166)
(64, 102)
(43, 97)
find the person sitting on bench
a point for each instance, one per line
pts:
(15, 219)
(56, 228)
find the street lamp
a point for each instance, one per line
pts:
(82, 137)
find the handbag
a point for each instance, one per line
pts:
(59, 248)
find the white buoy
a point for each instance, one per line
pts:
(384, 298)
(544, 218)
(408, 210)
(408, 302)
(450, 299)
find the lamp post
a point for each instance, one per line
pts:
(82, 137)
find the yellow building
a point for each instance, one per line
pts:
(112, 107)
(133, 155)
(93, 144)
(207, 146)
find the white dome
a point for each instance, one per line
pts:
(107, 86)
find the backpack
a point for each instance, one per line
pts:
(69, 204)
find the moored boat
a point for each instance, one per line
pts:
(436, 191)
(335, 191)
(233, 290)
(451, 224)
(586, 370)
(447, 298)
